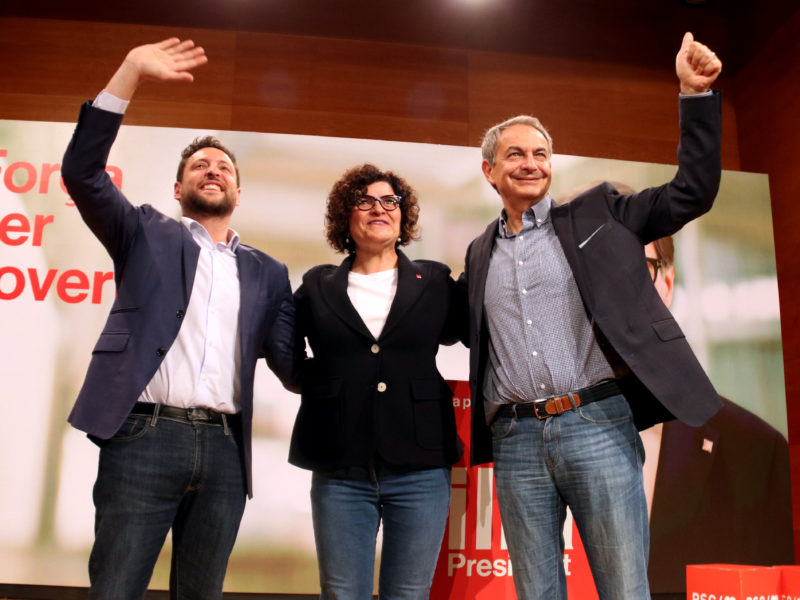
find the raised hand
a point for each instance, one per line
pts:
(169, 60)
(696, 65)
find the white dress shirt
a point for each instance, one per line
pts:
(201, 368)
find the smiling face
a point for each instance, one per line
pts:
(208, 188)
(521, 171)
(375, 229)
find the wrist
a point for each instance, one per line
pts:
(690, 90)
(125, 81)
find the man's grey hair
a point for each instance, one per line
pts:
(489, 143)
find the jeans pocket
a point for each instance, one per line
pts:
(133, 428)
(614, 409)
(502, 427)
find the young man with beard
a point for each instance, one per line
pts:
(168, 395)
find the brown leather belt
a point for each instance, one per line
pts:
(552, 406)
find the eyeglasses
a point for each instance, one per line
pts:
(654, 264)
(389, 202)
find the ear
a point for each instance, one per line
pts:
(177, 193)
(668, 275)
(487, 172)
(238, 196)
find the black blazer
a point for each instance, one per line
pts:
(155, 260)
(724, 500)
(363, 397)
(602, 233)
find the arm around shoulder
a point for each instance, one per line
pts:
(279, 347)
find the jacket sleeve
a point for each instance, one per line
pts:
(103, 207)
(279, 345)
(660, 211)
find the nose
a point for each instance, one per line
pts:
(377, 207)
(530, 162)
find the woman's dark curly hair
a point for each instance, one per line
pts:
(341, 203)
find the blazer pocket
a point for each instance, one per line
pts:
(430, 406)
(111, 342)
(667, 329)
(588, 238)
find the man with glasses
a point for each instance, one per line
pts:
(571, 349)
(719, 493)
(168, 395)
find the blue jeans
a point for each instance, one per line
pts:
(159, 473)
(348, 507)
(589, 459)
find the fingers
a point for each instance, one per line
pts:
(702, 60)
(189, 59)
(688, 38)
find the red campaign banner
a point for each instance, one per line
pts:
(732, 582)
(473, 562)
(790, 582)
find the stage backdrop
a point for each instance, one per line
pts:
(56, 287)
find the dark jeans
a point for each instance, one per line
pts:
(161, 473)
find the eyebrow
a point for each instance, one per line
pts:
(521, 149)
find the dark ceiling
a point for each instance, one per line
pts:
(639, 32)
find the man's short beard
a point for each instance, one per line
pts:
(193, 204)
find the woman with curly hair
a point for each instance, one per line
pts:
(376, 422)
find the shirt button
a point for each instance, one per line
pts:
(381, 387)
(529, 321)
(160, 352)
(375, 348)
(535, 353)
(520, 263)
(524, 291)
(522, 237)
(179, 313)
(541, 386)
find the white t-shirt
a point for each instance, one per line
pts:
(372, 297)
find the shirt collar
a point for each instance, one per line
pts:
(536, 216)
(203, 238)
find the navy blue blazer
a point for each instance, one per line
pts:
(155, 259)
(602, 233)
(362, 396)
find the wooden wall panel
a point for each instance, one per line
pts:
(350, 88)
(56, 65)
(591, 108)
(768, 108)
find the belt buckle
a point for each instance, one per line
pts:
(540, 408)
(197, 414)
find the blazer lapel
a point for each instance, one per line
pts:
(250, 286)
(411, 282)
(334, 290)
(479, 269)
(562, 225)
(190, 254)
